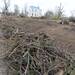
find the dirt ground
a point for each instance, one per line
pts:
(63, 34)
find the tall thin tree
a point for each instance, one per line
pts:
(5, 9)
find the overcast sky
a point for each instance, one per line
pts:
(68, 5)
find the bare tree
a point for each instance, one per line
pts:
(49, 14)
(22, 13)
(5, 9)
(25, 10)
(59, 11)
(35, 11)
(16, 10)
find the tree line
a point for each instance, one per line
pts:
(33, 11)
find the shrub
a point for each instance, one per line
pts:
(42, 17)
(63, 22)
(66, 22)
(72, 19)
(49, 14)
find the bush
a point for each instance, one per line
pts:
(42, 17)
(72, 19)
(55, 17)
(66, 22)
(49, 14)
(22, 15)
(63, 22)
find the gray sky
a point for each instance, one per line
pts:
(69, 5)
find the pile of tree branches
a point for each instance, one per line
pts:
(36, 54)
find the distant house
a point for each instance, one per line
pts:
(34, 11)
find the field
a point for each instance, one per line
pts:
(64, 34)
